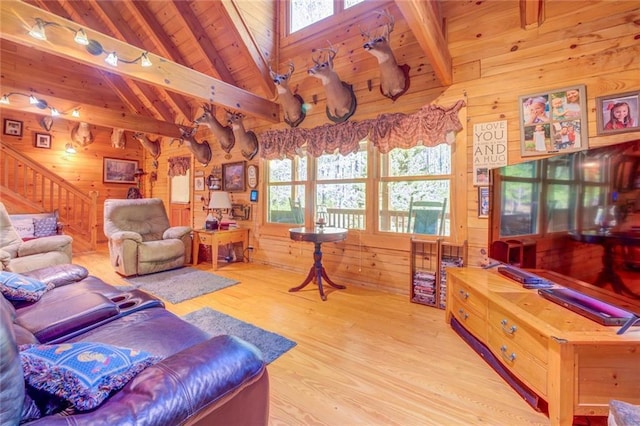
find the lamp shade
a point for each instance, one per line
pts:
(219, 200)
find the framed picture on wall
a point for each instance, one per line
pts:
(12, 127)
(553, 121)
(43, 141)
(117, 170)
(198, 183)
(618, 113)
(233, 177)
(483, 201)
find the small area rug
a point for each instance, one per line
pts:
(216, 323)
(180, 284)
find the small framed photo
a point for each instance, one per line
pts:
(117, 170)
(43, 140)
(618, 113)
(240, 211)
(253, 196)
(12, 127)
(553, 121)
(233, 177)
(483, 201)
(198, 183)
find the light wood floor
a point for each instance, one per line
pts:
(362, 357)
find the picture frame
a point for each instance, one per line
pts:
(118, 170)
(240, 211)
(12, 127)
(198, 183)
(253, 196)
(607, 123)
(234, 177)
(483, 202)
(42, 140)
(252, 176)
(553, 121)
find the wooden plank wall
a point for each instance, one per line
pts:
(495, 61)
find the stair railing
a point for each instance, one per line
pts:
(25, 182)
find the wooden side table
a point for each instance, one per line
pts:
(215, 238)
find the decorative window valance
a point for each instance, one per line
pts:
(429, 126)
(178, 166)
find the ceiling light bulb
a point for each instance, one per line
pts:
(112, 59)
(54, 112)
(33, 100)
(75, 113)
(144, 60)
(81, 37)
(69, 149)
(37, 31)
(5, 100)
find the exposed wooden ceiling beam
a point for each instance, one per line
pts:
(16, 18)
(207, 49)
(105, 117)
(531, 13)
(425, 23)
(252, 51)
(106, 11)
(130, 93)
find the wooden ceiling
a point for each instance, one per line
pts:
(202, 51)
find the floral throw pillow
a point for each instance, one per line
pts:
(45, 227)
(82, 373)
(20, 288)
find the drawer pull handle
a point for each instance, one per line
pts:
(463, 314)
(509, 358)
(464, 294)
(510, 330)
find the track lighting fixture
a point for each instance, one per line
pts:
(36, 102)
(37, 31)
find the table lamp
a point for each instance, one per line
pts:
(218, 201)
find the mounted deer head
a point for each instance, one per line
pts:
(247, 140)
(292, 105)
(201, 151)
(341, 101)
(224, 134)
(394, 78)
(81, 134)
(118, 139)
(152, 147)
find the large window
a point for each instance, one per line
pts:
(345, 192)
(303, 13)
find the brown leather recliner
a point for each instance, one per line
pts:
(141, 241)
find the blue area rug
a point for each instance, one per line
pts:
(180, 284)
(216, 323)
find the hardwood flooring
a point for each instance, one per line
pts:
(362, 357)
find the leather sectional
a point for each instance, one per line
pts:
(198, 380)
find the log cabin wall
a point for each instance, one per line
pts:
(494, 62)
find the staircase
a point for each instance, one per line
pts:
(27, 187)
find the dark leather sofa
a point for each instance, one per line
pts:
(199, 380)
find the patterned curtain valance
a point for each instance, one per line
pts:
(429, 126)
(178, 166)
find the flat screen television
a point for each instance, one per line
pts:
(582, 210)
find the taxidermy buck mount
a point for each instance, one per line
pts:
(81, 134)
(224, 134)
(152, 147)
(292, 104)
(118, 139)
(394, 78)
(247, 140)
(341, 101)
(201, 151)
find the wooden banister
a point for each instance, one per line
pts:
(26, 183)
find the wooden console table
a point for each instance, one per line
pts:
(215, 238)
(576, 365)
